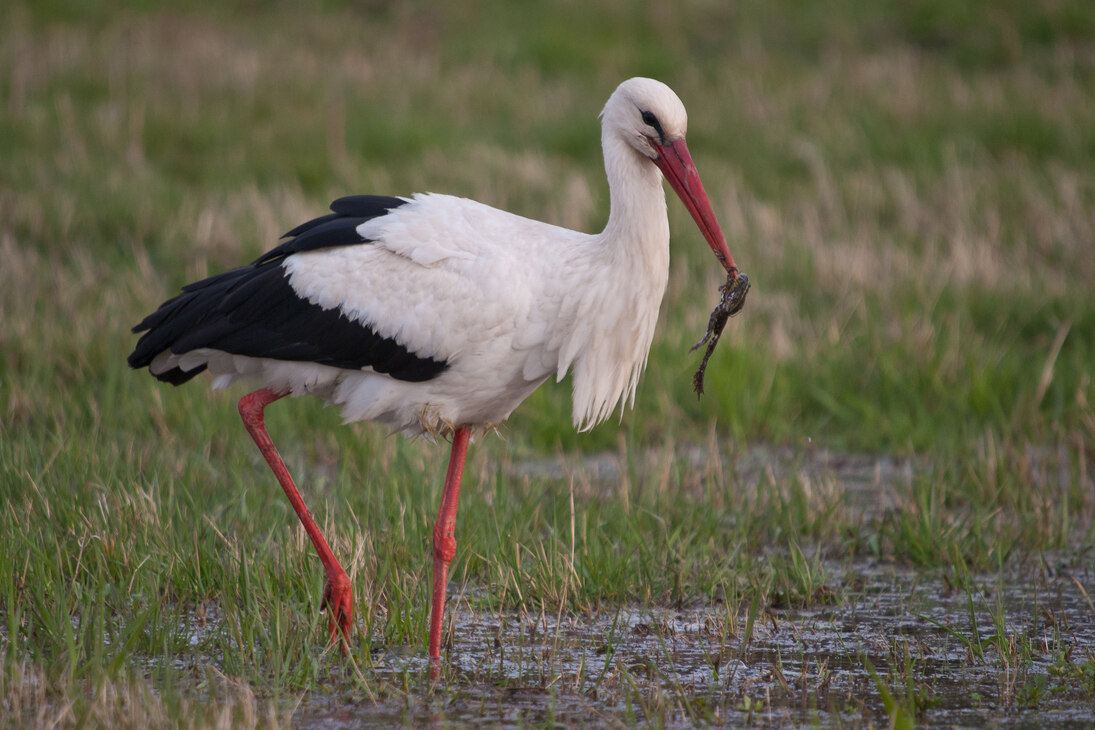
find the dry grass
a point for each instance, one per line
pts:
(32, 698)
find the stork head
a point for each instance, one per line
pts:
(651, 119)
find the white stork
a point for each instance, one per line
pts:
(438, 315)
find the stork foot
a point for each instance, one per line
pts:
(338, 599)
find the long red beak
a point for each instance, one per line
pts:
(676, 164)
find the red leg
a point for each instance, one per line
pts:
(337, 594)
(444, 544)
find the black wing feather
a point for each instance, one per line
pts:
(254, 311)
(335, 229)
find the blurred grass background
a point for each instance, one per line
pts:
(909, 185)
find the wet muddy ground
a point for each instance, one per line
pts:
(890, 645)
(1021, 654)
(881, 646)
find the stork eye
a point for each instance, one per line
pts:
(652, 121)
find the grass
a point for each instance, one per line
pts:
(910, 187)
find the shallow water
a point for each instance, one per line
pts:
(680, 667)
(1010, 650)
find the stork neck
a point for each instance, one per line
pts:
(619, 305)
(637, 219)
